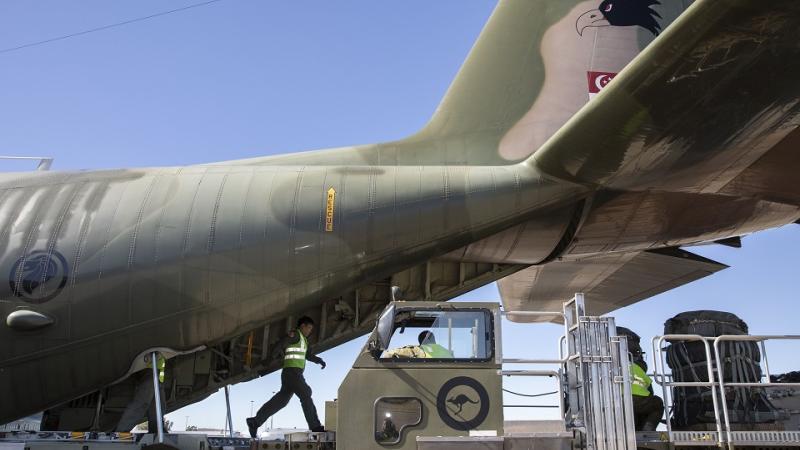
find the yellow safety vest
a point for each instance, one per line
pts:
(160, 365)
(436, 351)
(640, 382)
(295, 356)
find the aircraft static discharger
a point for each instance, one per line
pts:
(515, 178)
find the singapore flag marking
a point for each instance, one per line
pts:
(598, 81)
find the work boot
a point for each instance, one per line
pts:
(252, 427)
(319, 429)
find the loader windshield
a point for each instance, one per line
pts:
(441, 335)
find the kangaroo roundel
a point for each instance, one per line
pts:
(462, 403)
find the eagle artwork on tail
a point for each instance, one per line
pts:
(621, 13)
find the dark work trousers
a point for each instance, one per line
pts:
(143, 403)
(292, 382)
(647, 412)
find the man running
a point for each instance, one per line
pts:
(296, 351)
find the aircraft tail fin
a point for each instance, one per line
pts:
(534, 65)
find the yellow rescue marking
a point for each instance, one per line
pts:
(329, 207)
(248, 357)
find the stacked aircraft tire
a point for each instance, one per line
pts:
(694, 406)
(634, 346)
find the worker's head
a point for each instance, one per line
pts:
(306, 325)
(426, 337)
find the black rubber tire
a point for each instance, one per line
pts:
(705, 323)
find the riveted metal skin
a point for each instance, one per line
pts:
(517, 174)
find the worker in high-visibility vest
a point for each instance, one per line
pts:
(427, 342)
(647, 408)
(143, 401)
(161, 365)
(296, 350)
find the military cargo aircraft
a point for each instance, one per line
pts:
(580, 148)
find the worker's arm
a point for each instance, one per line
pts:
(311, 356)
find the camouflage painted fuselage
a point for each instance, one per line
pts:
(514, 176)
(178, 258)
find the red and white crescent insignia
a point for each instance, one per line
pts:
(598, 81)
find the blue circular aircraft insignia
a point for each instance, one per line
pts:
(38, 277)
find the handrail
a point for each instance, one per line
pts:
(540, 373)
(534, 361)
(721, 368)
(657, 350)
(529, 373)
(594, 398)
(714, 382)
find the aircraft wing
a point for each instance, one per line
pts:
(609, 282)
(711, 106)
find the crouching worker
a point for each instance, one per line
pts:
(647, 408)
(296, 351)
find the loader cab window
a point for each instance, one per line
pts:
(393, 415)
(440, 335)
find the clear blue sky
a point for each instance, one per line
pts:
(245, 78)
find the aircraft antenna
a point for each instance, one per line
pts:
(106, 27)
